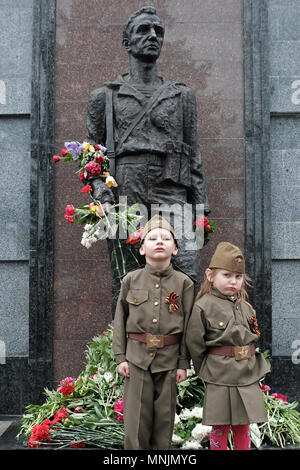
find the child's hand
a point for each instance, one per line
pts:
(123, 368)
(180, 375)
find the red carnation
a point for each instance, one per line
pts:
(70, 210)
(118, 409)
(82, 177)
(135, 237)
(279, 396)
(56, 158)
(61, 414)
(67, 390)
(64, 152)
(77, 444)
(99, 158)
(86, 189)
(93, 168)
(40, 433)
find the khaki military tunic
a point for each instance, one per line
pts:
(150, 392)
(232, 392)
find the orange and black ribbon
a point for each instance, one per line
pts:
(254, 325)
(171, 299)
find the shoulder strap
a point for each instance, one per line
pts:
(110, 131)
(143, 111)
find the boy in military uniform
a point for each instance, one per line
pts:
(149, 341)
(221, 336)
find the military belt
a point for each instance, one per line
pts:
(238, 352)
(155, 341)
(144, 159)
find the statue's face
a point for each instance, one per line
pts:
(146, 37)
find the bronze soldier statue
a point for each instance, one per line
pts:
(149, 125)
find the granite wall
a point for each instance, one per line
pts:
(284, 37)
(203, 48)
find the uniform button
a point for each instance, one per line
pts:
(221, 323)
(155, 303)
(154, 320)
(135, 301)
(151, 354)
(237, 307)
(156, 285)
(157, 274)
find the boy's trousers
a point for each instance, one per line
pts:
(149, 409)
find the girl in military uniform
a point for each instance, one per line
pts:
(149, 342)
(221, 336)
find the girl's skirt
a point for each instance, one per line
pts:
(233, 404)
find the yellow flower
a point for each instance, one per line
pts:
(110, 181)
(87, 147)
(93, 208)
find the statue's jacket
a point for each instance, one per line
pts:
(168, 129)
(218, 320)
(142, 308)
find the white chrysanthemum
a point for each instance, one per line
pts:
(190, 372)
(197, 412)
(255, 434)
(177, 439)
(108, 376)
(191, 445)
(200, 431)
(177, 419)
(186, 414)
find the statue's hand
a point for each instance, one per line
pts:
(101, 192)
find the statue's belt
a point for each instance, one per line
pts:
(150, 159)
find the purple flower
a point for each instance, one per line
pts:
(103, 149)
(74, 148)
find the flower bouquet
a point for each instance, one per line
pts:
(91, 158)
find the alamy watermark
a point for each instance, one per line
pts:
(296, 353)
(2, 352)
(182, 217)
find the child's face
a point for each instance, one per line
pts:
(158, 246)
(227, 282)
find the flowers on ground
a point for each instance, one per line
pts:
(92, 415)
(118, 409)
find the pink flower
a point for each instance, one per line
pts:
(56, 158)
(279, 396)
(99, 158)
(265, 388)
(69, 210)
(93, 168)
(202, 222)
(118, 409)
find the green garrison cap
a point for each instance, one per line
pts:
(229, 257)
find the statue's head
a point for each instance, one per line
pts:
(143, 34)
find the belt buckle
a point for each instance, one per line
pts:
(154, 341)
(242, 352)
